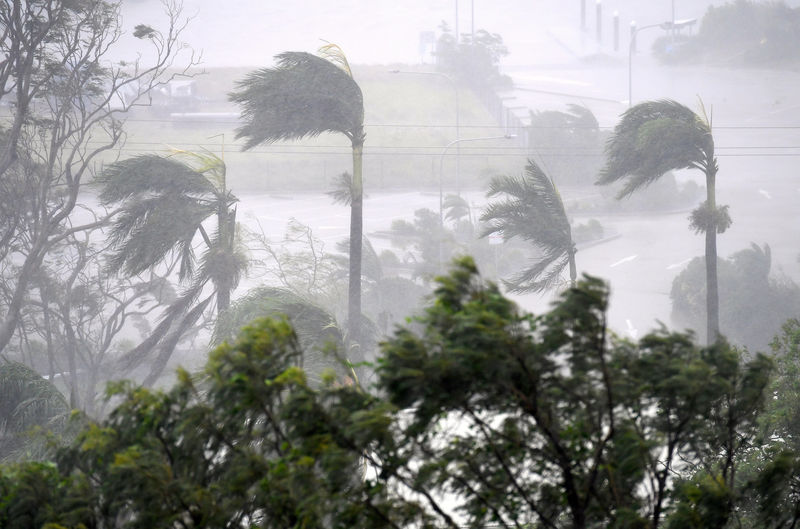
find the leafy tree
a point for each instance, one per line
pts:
(306, 95)
(567, 144)
(474, 59)
(754, 303)
(73, 324)
(66, 108)
(653, 138)
(533, 210)
(482, 415)
(766, 36)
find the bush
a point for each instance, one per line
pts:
(741, 33)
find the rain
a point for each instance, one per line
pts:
(327, 175)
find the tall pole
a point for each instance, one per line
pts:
(599, 16)
(583, 14)
(472, 7)
(458, 113)
(457, 34)
(634, 33)
(441, 172)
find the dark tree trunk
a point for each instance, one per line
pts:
(356, 234)
(712, 289)
(712, 292)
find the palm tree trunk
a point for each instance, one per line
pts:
(712, 294)
(225, 238)
(573, 270)
(356, 234)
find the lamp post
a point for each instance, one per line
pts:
(441, 165)
(668, 25)
(458, 106)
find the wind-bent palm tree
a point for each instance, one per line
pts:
(655, 137)
(533, 210)
(164, 202)
(27, 400)
(304, 96)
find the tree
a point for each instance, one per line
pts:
(163, 204)
(473, 59)
(482, 414)
(533, 211)
(304, 96)
(754, 302)
(568, 144)
(67, 104)
(653, 138)
(74, 326)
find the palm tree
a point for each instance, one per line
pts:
(304, 96)
(533, 210)
(26, 401)
(318, 334)
(655, 137)
(164, 202)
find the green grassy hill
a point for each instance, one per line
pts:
(409, 119)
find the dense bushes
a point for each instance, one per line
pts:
(740, 33)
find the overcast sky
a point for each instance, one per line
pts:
(251, 32)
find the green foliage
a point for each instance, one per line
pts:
(653, 138)
(485, 415)
(532, 209)
(741, 33)
(28, 404)
(164, 202)
(304, 95)
(568, 144)
(473, 60)
(753, 303)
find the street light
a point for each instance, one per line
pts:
(668, 25)
(458, 106)
(441, 165)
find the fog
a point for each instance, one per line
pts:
(435, 139)
(552, 63)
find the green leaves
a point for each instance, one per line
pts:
(652, 138)
(303, 96)
(532, 210)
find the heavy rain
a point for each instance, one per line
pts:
(443, 263)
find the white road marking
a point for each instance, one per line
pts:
(765, 194)
(678, 265)
(624, 260)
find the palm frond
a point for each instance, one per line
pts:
(334, 54)
(147, 230)
(456, 207)
(317, 330)
(543, 274)
(149, 174)
(652, 138)
(303, 96)
(342, 192)
(206, 163)
(26, 400)
(533, 211)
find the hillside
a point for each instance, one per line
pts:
(408, 118)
